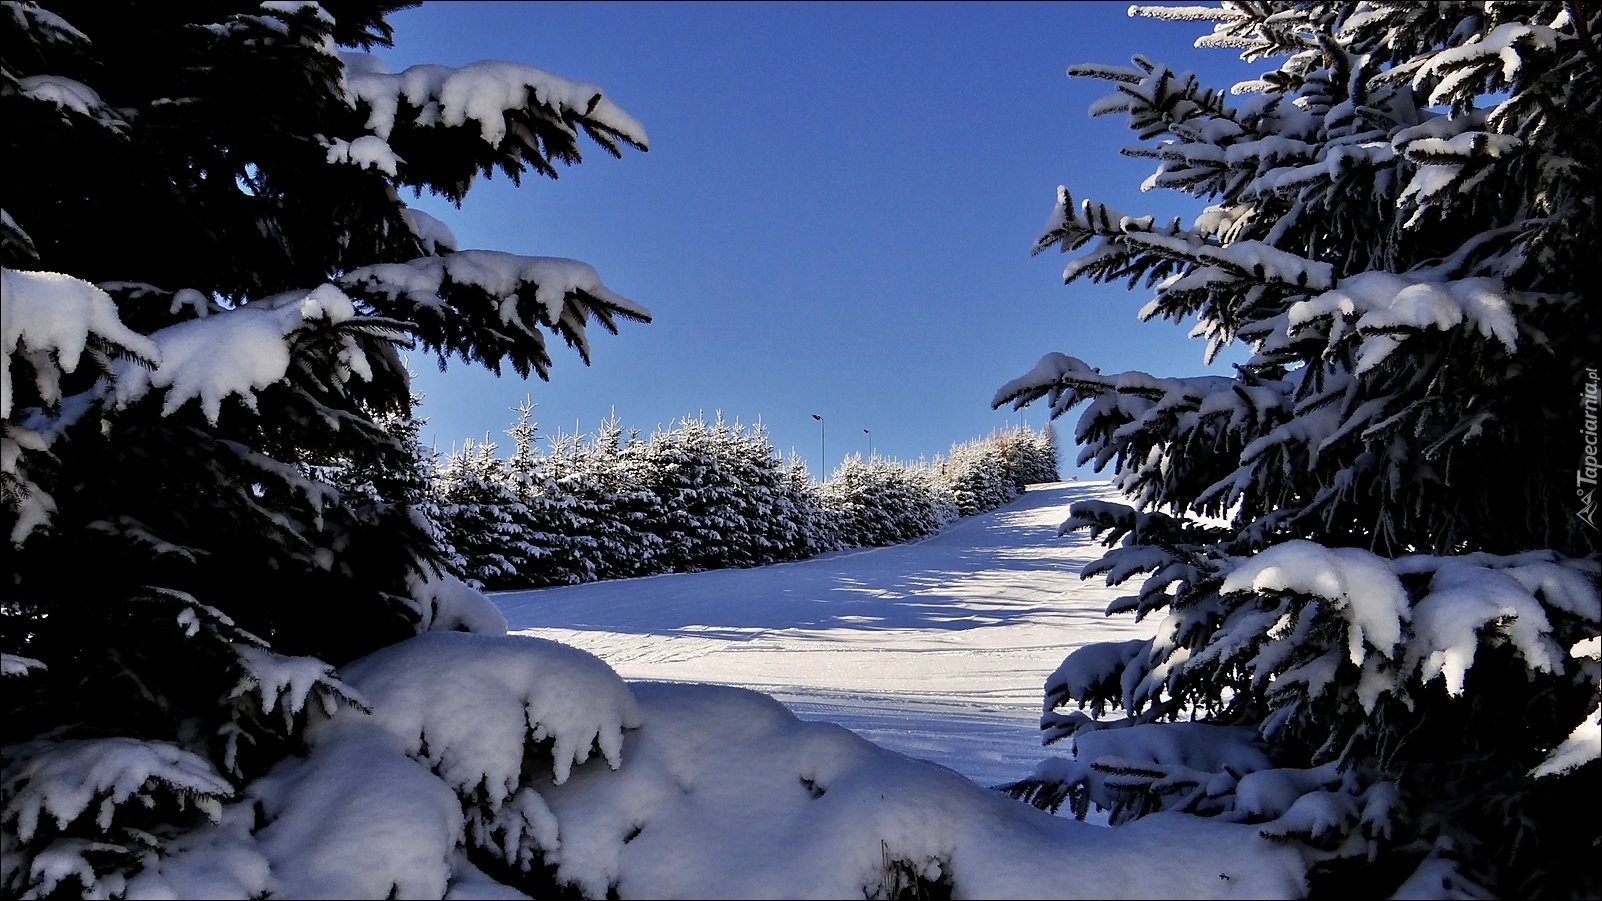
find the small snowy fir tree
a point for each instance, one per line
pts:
(722, 488)
(882, 502)
(609, 477)
(979, 475)
(484, 516)
(208, 277)
(1031, 456)
(1365, 546)
(569, 499)
(695, 492)
(774, 515)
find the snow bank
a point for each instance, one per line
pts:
(722, 793)
(725, 794)
(357, 818)
(468, 704)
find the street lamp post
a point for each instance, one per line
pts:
(870, 444)
(823, 448)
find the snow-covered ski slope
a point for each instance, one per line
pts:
(937, 649)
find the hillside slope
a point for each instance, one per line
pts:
(937, 649)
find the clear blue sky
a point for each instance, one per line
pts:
(834, 216)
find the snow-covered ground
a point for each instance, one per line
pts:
(937, 649)
(537, 758)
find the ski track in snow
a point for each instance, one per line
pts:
(937, 649)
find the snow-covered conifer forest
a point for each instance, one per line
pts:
(243, 654)
(696, 496)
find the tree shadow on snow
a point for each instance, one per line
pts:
(1007, 566)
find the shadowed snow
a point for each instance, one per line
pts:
(938, 649)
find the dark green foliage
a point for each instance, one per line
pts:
(1365, 545)
(700, 496)
(225, 486)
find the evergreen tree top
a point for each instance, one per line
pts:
(1399, 223)
(209, 273)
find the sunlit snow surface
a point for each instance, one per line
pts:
(938, 649)
(538, 754)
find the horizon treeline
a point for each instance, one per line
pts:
(697, 495)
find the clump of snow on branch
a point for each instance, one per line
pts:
(436, 235)
(499, 274)
(239, 352)
(1463, 603)
(447, 604)
(369, 151)
(17, 665)
(1501, 51)
(1362, 586)
(55, 783)
(1132, 771)
(480, 92)
(1583, 746)
(1381, 304)
(48, 319)
(69, 94)
(288, 684)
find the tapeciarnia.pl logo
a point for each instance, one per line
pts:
(1585, 476)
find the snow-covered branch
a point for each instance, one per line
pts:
(489, 306)
(438, 125)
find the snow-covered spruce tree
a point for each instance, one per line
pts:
(483, 514)
(568, 505)
(627, 511)
(699, 496)
(1031, 456)
(693, 492)
(816, 531)
(883, 502)
(1366, 541)
(776, 514)
(771, 514)
(208, 272)
(979, 475)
